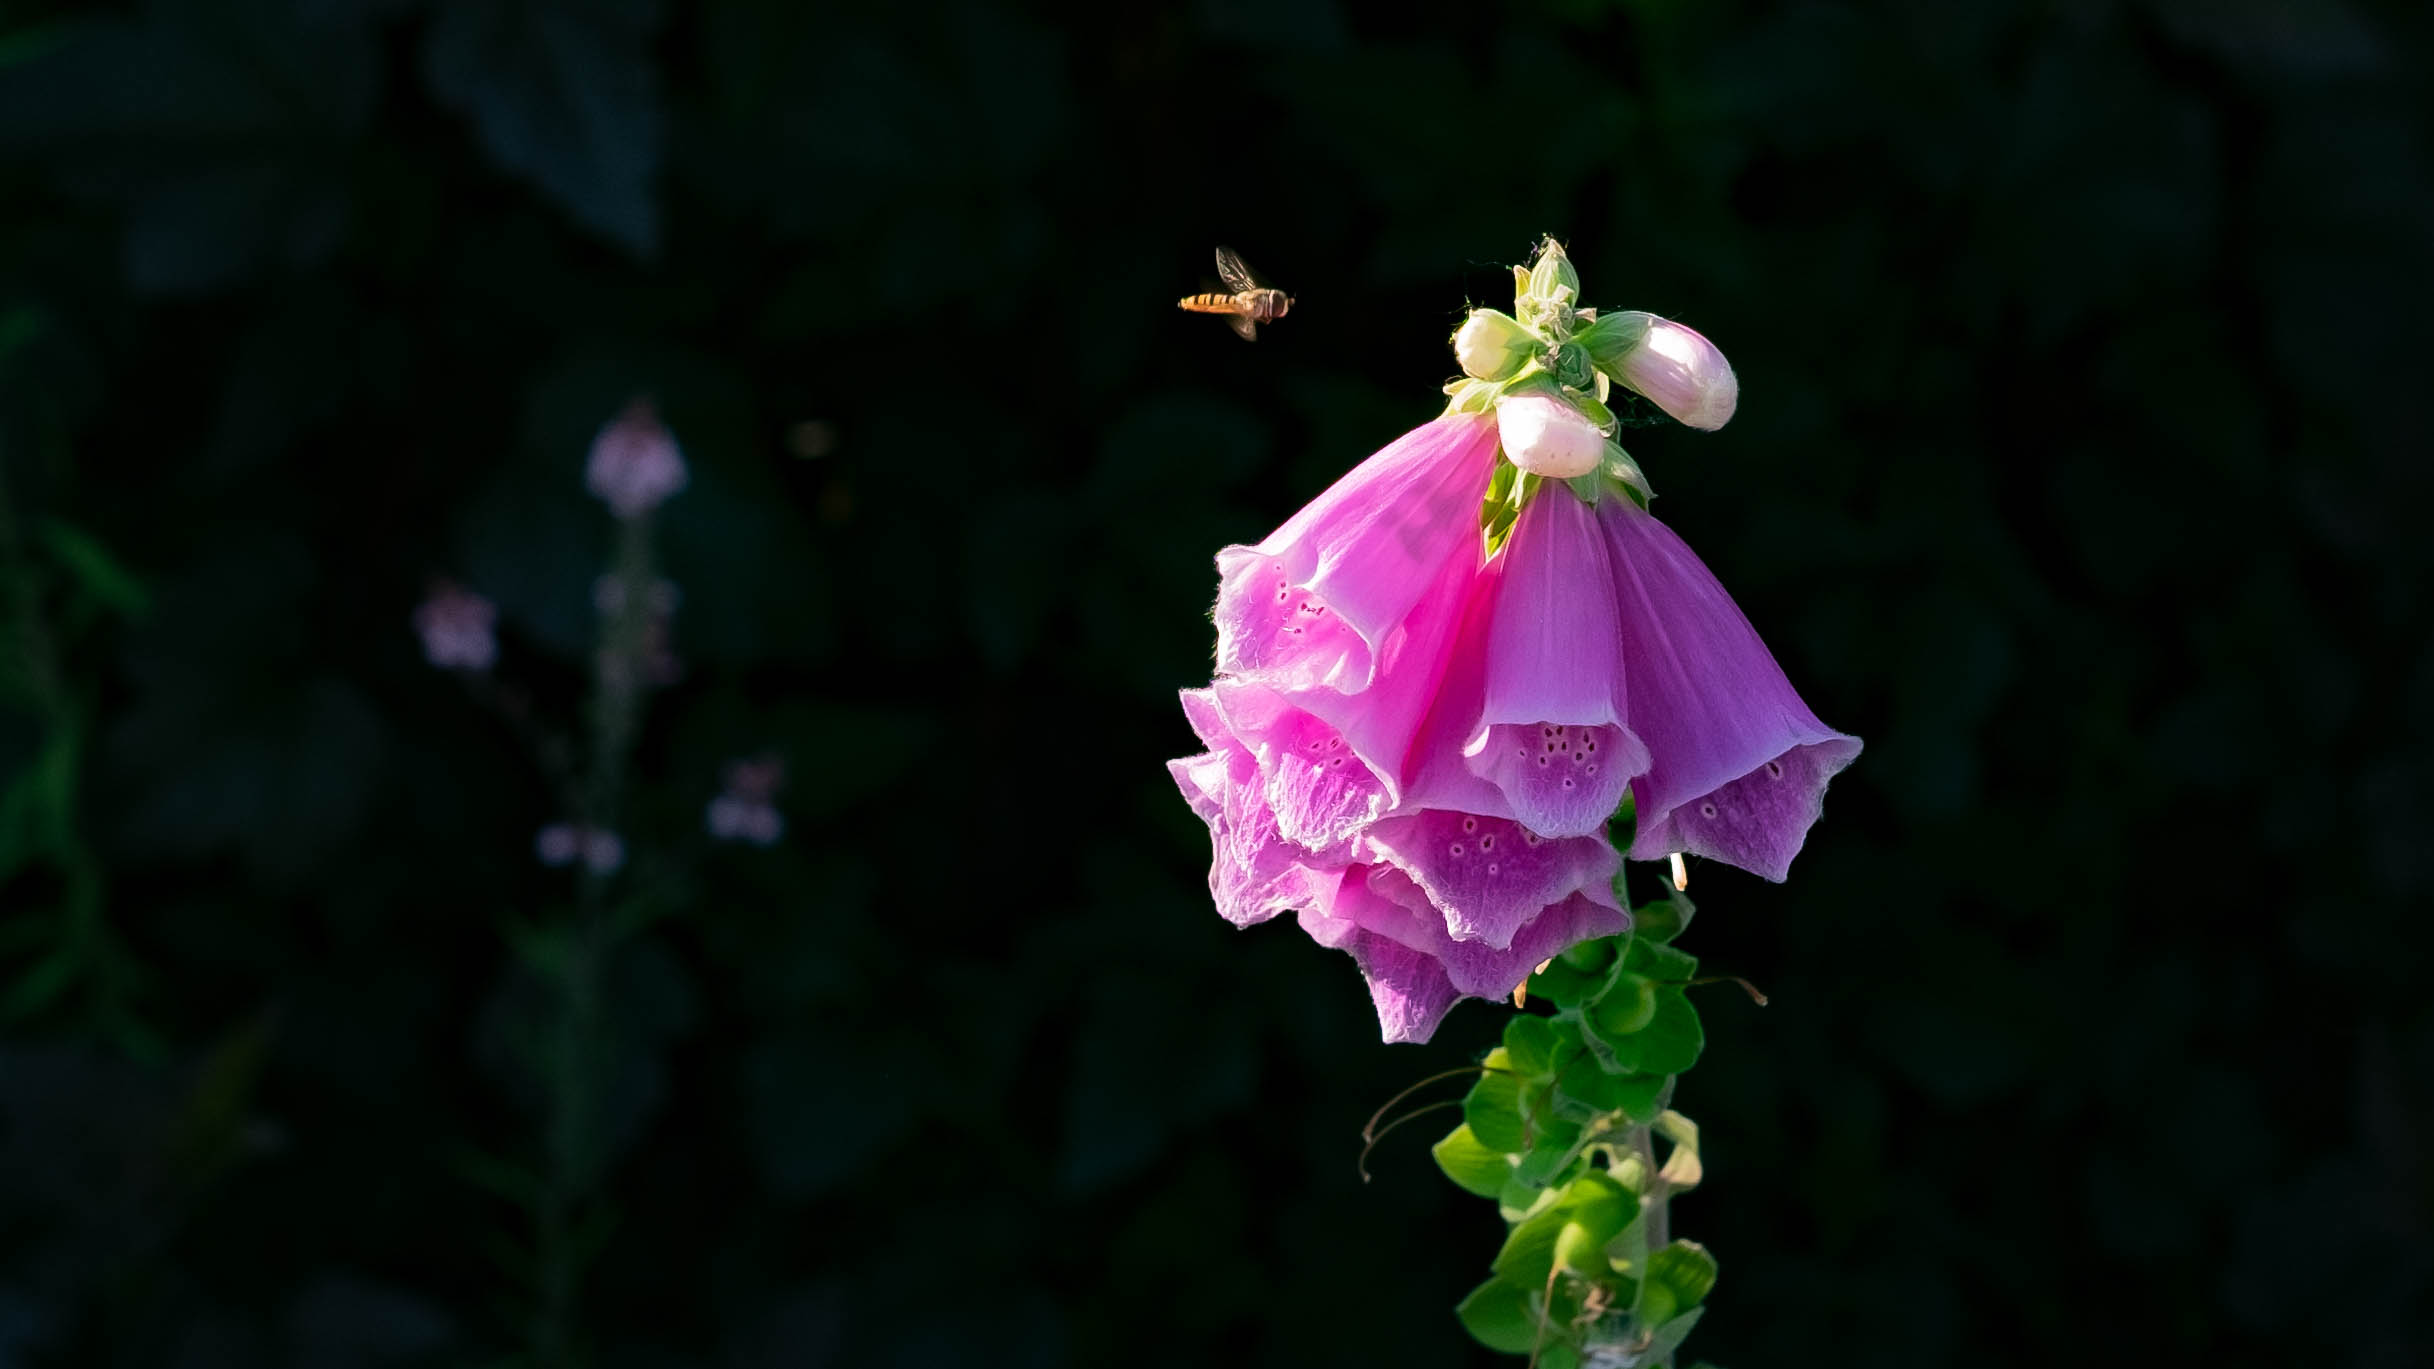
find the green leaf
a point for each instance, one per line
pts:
(1530, 1042)
(1471, 1165)
(1498, 1315)
(1492, 1109)
(1671, 1041)
(97, 572)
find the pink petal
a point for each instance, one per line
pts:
(1313, 604)
(1723, 727)
(1486, 877)
(1552, 733)
(1318, 787)
(1254, 873)
(1414, 969)
(1408, 988)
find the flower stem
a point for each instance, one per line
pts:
(569, 1219)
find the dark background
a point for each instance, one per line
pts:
(2081, 468)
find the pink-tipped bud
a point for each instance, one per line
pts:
(1545, 436)
(1682, 373)
(634, 464)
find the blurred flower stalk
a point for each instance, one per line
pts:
(1451, 695)
(634, 467)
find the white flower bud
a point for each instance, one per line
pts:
(1545, 436)
(1492, 346)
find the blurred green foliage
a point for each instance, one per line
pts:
(2079, 468)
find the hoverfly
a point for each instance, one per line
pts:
(1251, 304)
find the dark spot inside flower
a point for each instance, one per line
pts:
(1491, 867)
(1486, 843)
(1470, 824)
(1530, 838)
(1774, 771)
(1455, 849)
(1707, 810)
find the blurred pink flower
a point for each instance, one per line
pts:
(744, 811)
(564, 843)
(458, 628)
(634, 463)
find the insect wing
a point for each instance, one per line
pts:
(1238, 277)
(1243, 325)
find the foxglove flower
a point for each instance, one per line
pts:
(458, 629)
(634, 464)
(564, 843)
(744, 811)
(1438, 682)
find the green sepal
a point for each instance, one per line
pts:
(1668, 1043)
(1492, 1109)
(1574, 371)
(1472, 1165)
(1661, 921)
(1613, 337)
(1499, 1316)
(1519, 1201)
(1621, 828)
(1626, 1006)
(1670, 1335)
(1673, 1038)
(1529, 1042)
(1556, 1146)
(1468, 396)
(1591, 408)
(1660, 962)
(1563, 985)
(1552, 272)
(1595, 1202)
(1683, 1273)
(1619, 468)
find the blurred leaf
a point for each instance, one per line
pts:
(218, 124)
(564, 93)
(96, 570)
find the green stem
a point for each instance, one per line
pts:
(565, 1216)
